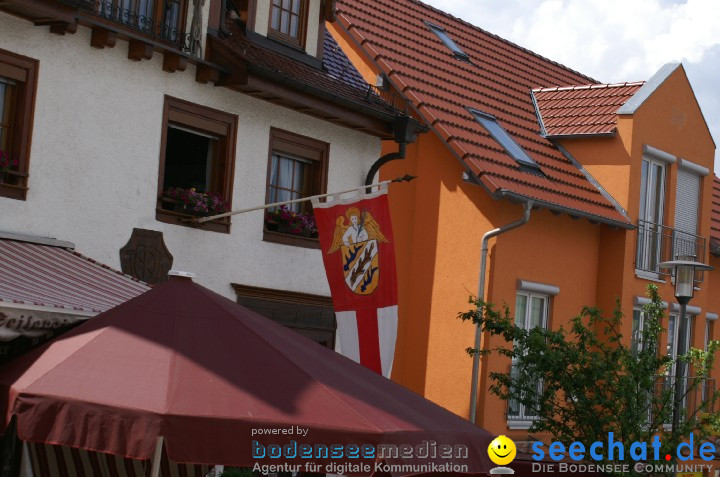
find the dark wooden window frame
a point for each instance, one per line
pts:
(298, 42)
(24, 72)
(307, 148)
(286, 299)
(209, 121)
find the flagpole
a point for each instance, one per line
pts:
(202, 220)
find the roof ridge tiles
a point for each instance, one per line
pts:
(587, 87)
(503, 40)
(500, 64)
(374, 14)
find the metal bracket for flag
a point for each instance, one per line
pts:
(202, 220)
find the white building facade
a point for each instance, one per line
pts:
(102, 119)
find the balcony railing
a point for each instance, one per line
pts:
(137, 16)
(691, 399)
(658, 243)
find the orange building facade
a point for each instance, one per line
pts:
(615, 177)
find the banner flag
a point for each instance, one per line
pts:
(359, 253)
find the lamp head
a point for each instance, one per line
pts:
(684, 276)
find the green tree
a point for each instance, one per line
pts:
(586, 381)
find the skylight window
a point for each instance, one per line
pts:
(448, 42)
(489, 122)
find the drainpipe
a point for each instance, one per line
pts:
(382, 161)
(481, 296)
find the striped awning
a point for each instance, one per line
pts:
(59, 278)
(49, 460)
(45, 285)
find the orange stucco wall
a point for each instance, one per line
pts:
(439, 220)
(669, 120)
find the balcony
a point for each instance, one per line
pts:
(161, 21)
(692, 400)
(658, 243)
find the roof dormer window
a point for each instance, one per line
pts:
(288, 21)
(489, 122)
(448, 42)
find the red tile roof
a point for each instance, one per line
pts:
(498, 81)
(337, 79)
(582, 110)
(715, 218)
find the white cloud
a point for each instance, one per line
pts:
(612, 40)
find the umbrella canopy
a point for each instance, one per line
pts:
(222, 385)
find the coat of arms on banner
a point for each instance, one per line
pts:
(358, 241)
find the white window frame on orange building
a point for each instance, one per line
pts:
(530, 291)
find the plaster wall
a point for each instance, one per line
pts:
(95, 159)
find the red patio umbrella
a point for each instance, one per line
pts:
(223, 385)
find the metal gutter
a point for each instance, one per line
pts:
(612, 133)
(506, 194)
(277, 77)
(481, 296)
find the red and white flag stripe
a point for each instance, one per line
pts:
(368, 337)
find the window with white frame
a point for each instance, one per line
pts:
(709, 336)
(639, 325)
(678, 344)
(650, 217)
(531, 311)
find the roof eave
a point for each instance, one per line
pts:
(365, 109)
(609, 134)
(508, 194)
(715, 247)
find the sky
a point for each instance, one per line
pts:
(613, 41)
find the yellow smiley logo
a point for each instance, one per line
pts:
(502, 450)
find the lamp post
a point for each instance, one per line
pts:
(684, 269)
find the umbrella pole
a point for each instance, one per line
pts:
(157, 457)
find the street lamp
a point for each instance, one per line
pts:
(684, 269)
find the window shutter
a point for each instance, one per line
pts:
(688, 198)
(686, 214)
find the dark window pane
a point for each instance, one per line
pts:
(504, 139)
(187, 163)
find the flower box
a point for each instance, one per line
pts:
(192, 202)
(285, 221)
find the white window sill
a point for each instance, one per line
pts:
(645, 275)
(512, 425)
